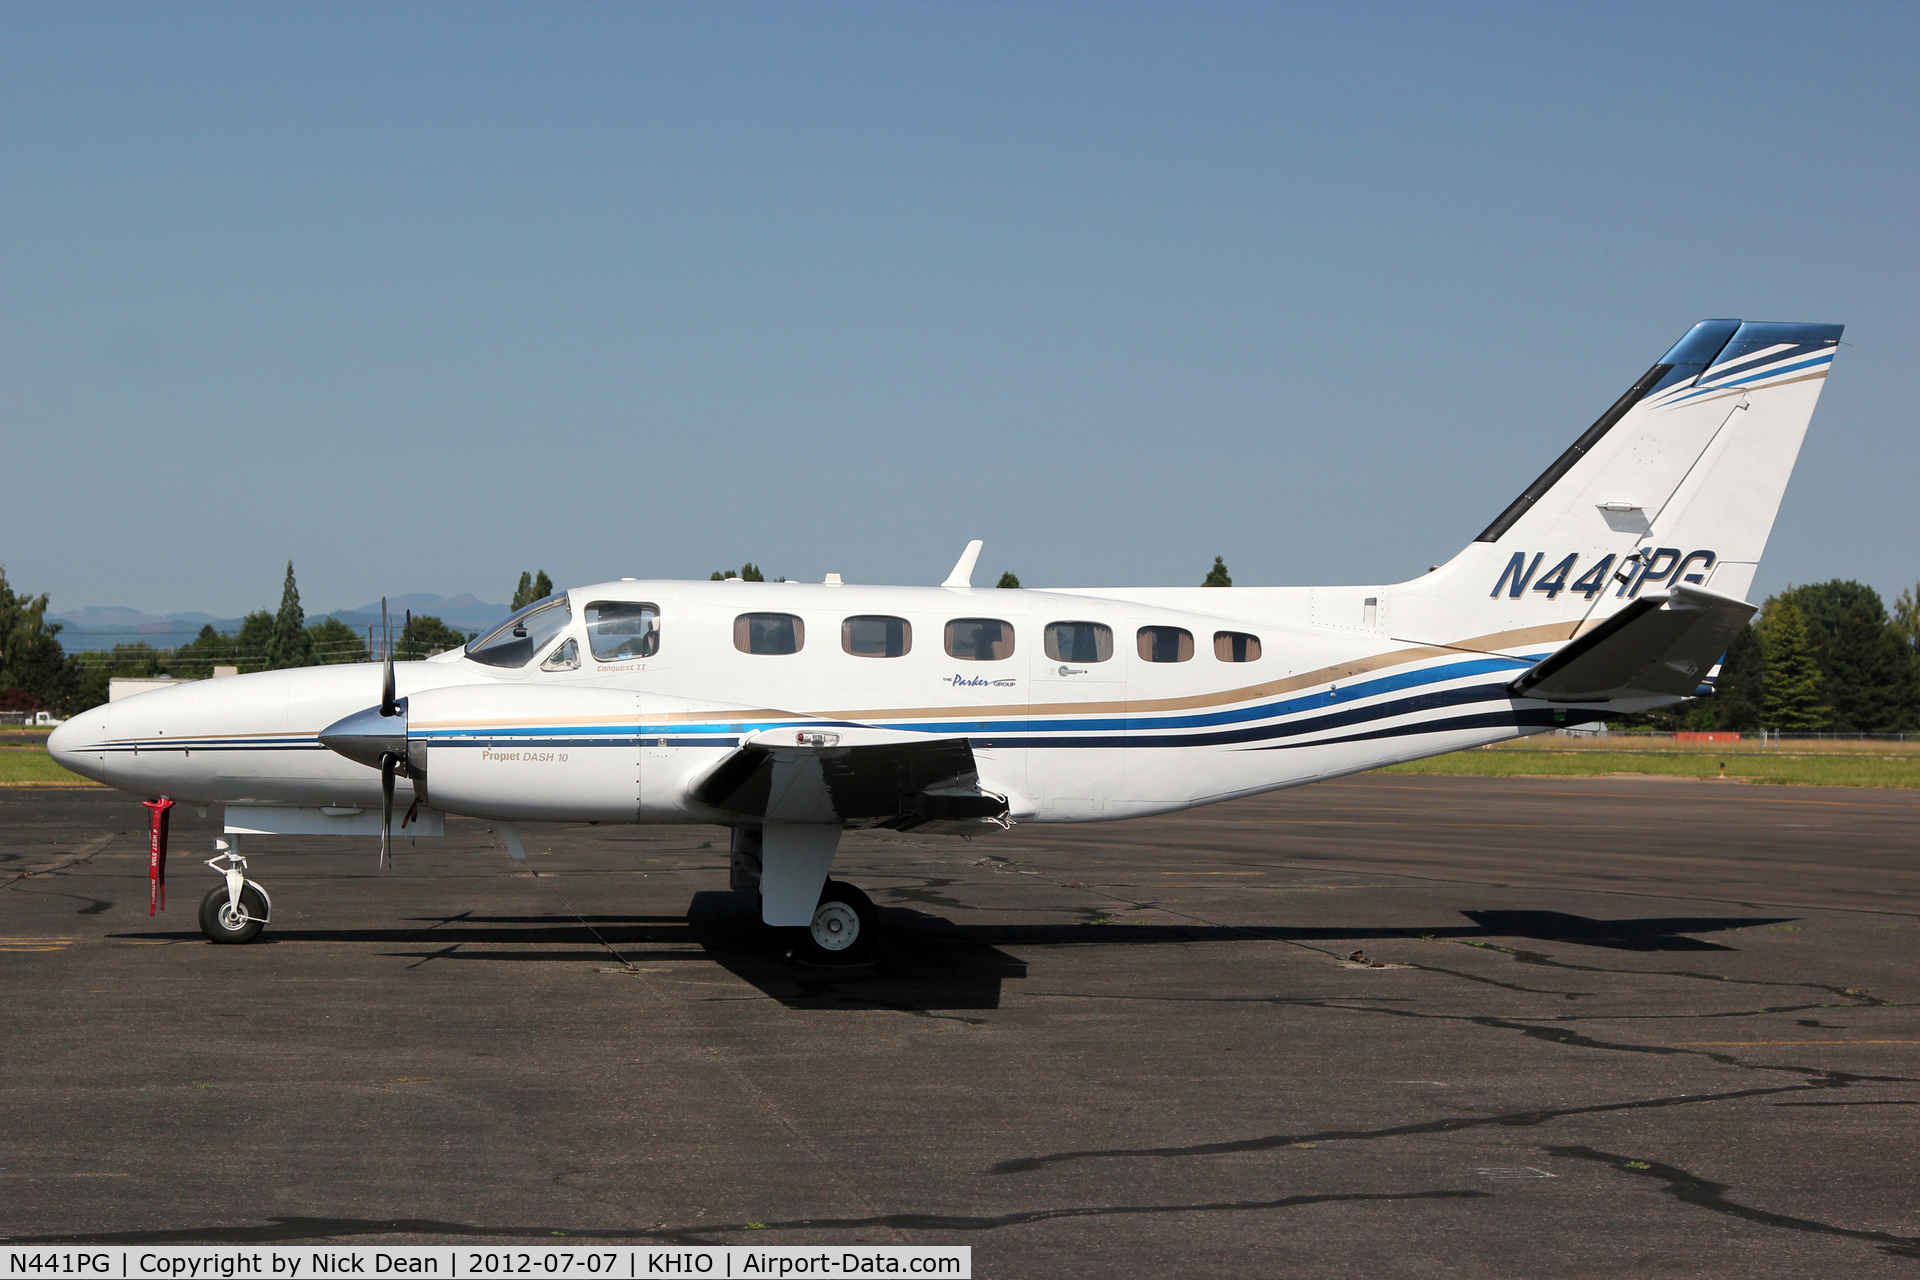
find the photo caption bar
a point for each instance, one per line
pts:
(447, 1262)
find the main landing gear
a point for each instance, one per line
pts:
(239, 909)
(844, 930)
(836, 924)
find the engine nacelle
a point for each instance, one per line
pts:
(546, 754)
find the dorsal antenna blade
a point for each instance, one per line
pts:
(962, 575)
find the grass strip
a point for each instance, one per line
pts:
(33, 767)
(1792, 770)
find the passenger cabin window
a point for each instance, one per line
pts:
(1165, 644)
(876, 635)
(564, 658)
(514, 642)
(1078, 641)
(979, 639)
(1236, 646)
(769, 633)
(621, 629)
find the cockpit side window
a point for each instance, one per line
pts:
(621, 629)
(514, 642)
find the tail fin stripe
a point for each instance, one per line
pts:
(1763, 374)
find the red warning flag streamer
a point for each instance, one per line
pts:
(157, 854)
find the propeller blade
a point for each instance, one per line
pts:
(387, 763)
(386, 676)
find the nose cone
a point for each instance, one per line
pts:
(367, 735)
(69, 742)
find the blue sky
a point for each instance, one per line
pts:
(420, 296)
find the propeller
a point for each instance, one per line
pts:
(388, 708)
(387, 763)
(377, 738)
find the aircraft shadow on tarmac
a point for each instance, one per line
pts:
(1663, 933)
(926, 962)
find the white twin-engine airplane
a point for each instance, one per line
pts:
(790, 712)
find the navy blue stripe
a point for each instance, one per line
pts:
(1542, 717)
(1263, 733)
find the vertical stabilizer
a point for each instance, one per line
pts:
(1677, 483)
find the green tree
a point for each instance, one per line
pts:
(254, 641)
(335, 641)
(1906, 618)
(197, 659)
(290, 645)
(532, 587)
(31, 659)
(425, 635)
(1218, 575)
(1867, 674)
(1738, 693)
(1009, 581)
(1793, 677)
(93, 669)
(750, 572)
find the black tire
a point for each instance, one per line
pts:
(214, 920)
(845, 928)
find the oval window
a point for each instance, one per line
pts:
(979, 639)
(769, 633)
(1079, 641)
(1165, 644)
(876, 635)
(1236, 646)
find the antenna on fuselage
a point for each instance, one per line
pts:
(962, 575)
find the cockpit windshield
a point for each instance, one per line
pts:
(514, 642)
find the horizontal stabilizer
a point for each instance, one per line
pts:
(1656, 647)
(816, 777)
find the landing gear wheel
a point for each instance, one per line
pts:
(219, 921)
(844, 930)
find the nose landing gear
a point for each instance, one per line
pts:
(239, 909)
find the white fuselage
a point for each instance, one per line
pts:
(1065, 736)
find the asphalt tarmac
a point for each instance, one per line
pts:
(1600, 1027)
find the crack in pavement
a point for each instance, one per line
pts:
(85, 852)
(1855, 994)
(291, 1228)
(1690, 1188)
(1447, 1124)
(1820, 1078)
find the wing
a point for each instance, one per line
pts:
(1658, 647)
(865, 777)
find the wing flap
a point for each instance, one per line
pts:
(1660, 646)
(892, 781)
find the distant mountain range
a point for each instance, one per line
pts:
(104, 626)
